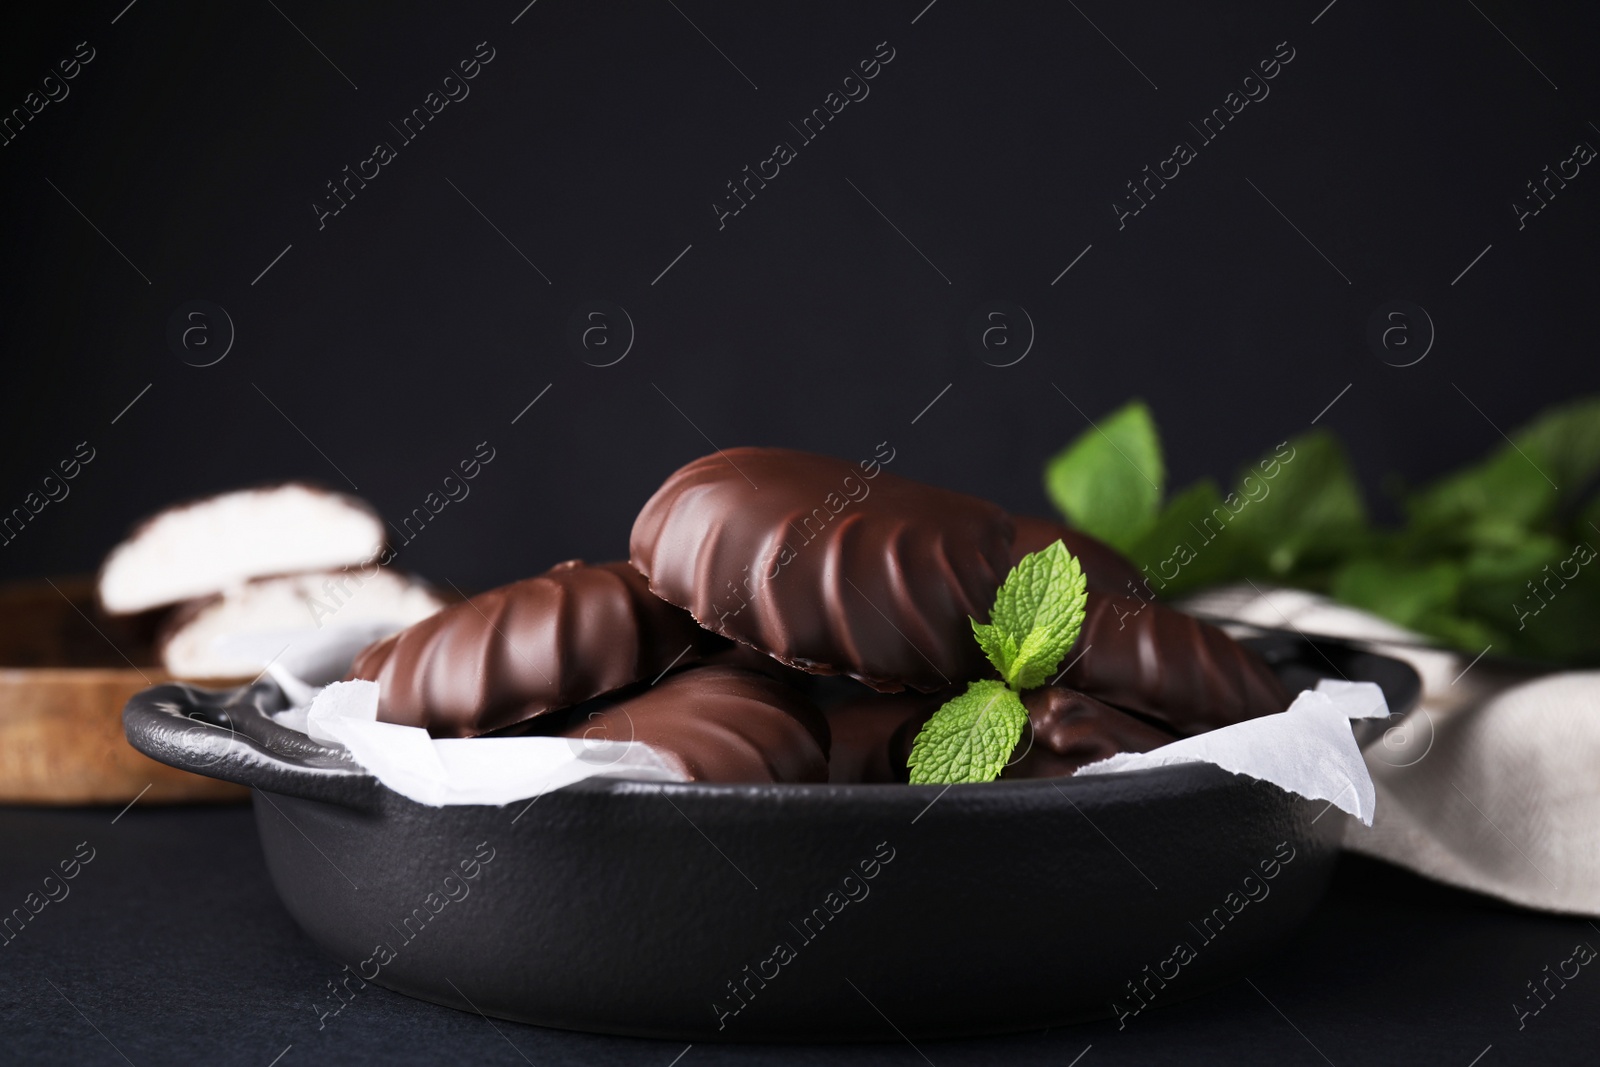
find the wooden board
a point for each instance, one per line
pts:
(61, 742)
(66, 670)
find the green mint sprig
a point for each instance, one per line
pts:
(1038, 613)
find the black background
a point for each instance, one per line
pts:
(381, 349)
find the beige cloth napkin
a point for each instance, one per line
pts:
(1492, 783)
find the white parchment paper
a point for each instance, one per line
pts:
(1307, 749)
(469, 770)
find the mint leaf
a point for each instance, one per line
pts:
(1407, 593)
(1108, 481)
(1188, 546)
(1037, 614)
(1495, 580)
(1298, 510)
(1589, 522)
(1565, 444)
(1301, 507)
(1494, 503)
(1492, 553)
(971, 738)
(1490, 504)
(998, 645)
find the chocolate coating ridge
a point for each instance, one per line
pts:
(528, 648)
(1187, 674)
(1105, 570)
(830, 566)
(1071, 730)
(736, 654)
(719, 724)
(863, 730)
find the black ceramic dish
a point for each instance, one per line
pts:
(745, 912)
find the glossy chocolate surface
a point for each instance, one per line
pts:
(573, 633)
(738, 654)
(831, 566)
(719, 724)
(863, 730)
(1106, 569)
(1187, 674)
(1068, 730)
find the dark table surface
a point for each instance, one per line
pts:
(169, 946)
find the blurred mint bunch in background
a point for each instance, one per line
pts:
(1501, 552)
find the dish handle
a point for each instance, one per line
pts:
(230, 734)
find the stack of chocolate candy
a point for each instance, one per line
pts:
(788, 617)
